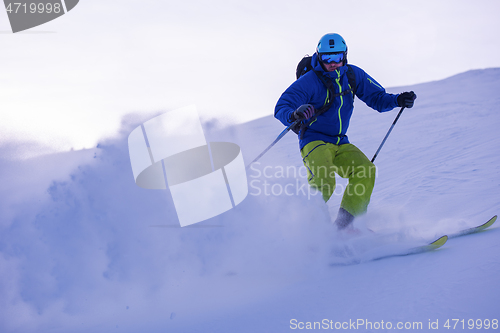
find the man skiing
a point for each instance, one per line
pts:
(323, 100)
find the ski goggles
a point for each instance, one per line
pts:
(328, 58)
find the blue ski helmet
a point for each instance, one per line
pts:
(332, 43)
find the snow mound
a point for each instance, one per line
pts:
(82, 248)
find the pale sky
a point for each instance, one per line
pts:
(66, 84)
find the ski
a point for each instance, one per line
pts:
(429, 247)
(347, 253)
(419, 249)
(473, 230)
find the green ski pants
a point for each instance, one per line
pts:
(323, 160)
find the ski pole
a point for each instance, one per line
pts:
(389, 132)
(282, 134)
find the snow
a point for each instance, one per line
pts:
(83, 249)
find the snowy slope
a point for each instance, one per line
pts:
(83, 249)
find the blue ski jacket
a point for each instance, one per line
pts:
(331, 126)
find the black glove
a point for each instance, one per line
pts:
(304, 111)
(407, 99)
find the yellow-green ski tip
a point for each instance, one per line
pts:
(438, 242)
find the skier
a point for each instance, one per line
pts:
(323, 142)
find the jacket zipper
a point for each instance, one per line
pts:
(337, 80)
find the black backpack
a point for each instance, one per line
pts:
(303, 67)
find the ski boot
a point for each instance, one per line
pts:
(344, 219)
